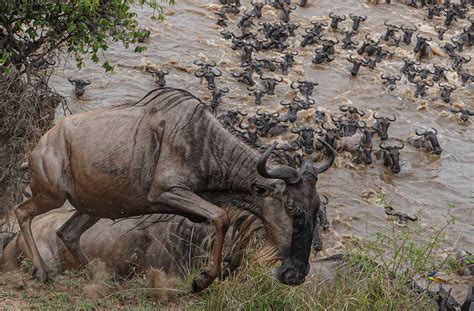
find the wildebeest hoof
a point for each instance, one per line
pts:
(202, 281)
(41, 275)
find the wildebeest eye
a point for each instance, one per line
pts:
(261, 190)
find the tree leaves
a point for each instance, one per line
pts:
(41, 28)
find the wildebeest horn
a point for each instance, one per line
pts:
(70, 79)
(294, 87)
(225, 90)
(343, 108)
(326, 200)
(217, 72)
(351, 15)
(294, 53)
(336, 120)
(399, 147)
(331, 15)
(382, 146)
(198, 62)
(360, 112)
(435, 131)
(199, 74)
(282, 102)
(364, 17)
(87, 82)
(279, 79)
(251, 88)
(420, 133)
(258, 112)
(242, 113)
(275, 115)
(393, 119)
(330, 159)
(235, 74)
(376, 117)
(286, 173)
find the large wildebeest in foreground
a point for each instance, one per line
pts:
(168, 154)
(126, 246)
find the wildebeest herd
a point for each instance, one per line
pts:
(174, 154)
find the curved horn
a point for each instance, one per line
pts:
(217, 72)
(343, 108)
(382, 146)
(330, 160)
(325, 198)
(258, 112)
(199, 74)
(376, 117)
(280, 79)
(331, 15)
(393, 119)
(225, 90)
(87, 82)
(435, 131)
(383, 76)
(286, 173)
(198, 62)
(242, 113)
(70, 79)
(360, 112)
(420, 133)
(294, 88)
(399, 147)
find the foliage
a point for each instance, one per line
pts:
(32, 32)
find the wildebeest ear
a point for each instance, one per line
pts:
(261, 190)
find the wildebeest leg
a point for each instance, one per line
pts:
(188, 202)
(25, 212)
(71, 231)
(317, 242)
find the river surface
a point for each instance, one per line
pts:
(426, 185)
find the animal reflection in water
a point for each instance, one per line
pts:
(168, 154)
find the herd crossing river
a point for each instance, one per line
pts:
(427, 183)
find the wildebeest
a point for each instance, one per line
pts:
(356, 21)
(126, 246)
(79, 86)
(382, 124)
(465, 113)
(356, 63)
(322, 221)
(160, 77)
(336, 19)
(426, 140)
(390, 81)
(168, 154)
(422, 48)
(359, 145)
(408, 33)
(446, 91)
(391, 156)
(217, 95)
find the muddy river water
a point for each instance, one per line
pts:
(427, 183)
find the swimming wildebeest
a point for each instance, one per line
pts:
(168, 154)
(79, 86)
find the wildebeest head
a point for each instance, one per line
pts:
(390, 81)
(446, 91)
(351, 111)
(356, 63)
(230, 118)
(293, 108)
(257, 8)
(465, 114)
(431, 138)
(356, 21)
(79, 86)
(365, 142)
(336, 19)
(408, 33)
(440, 31)
(391, 156)
(285, 13)
(258, 94)
(305, 139)
(290, 206)
(422, 47)
(382, 124)
(270, 83)
(160, 77)
(331, 133)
